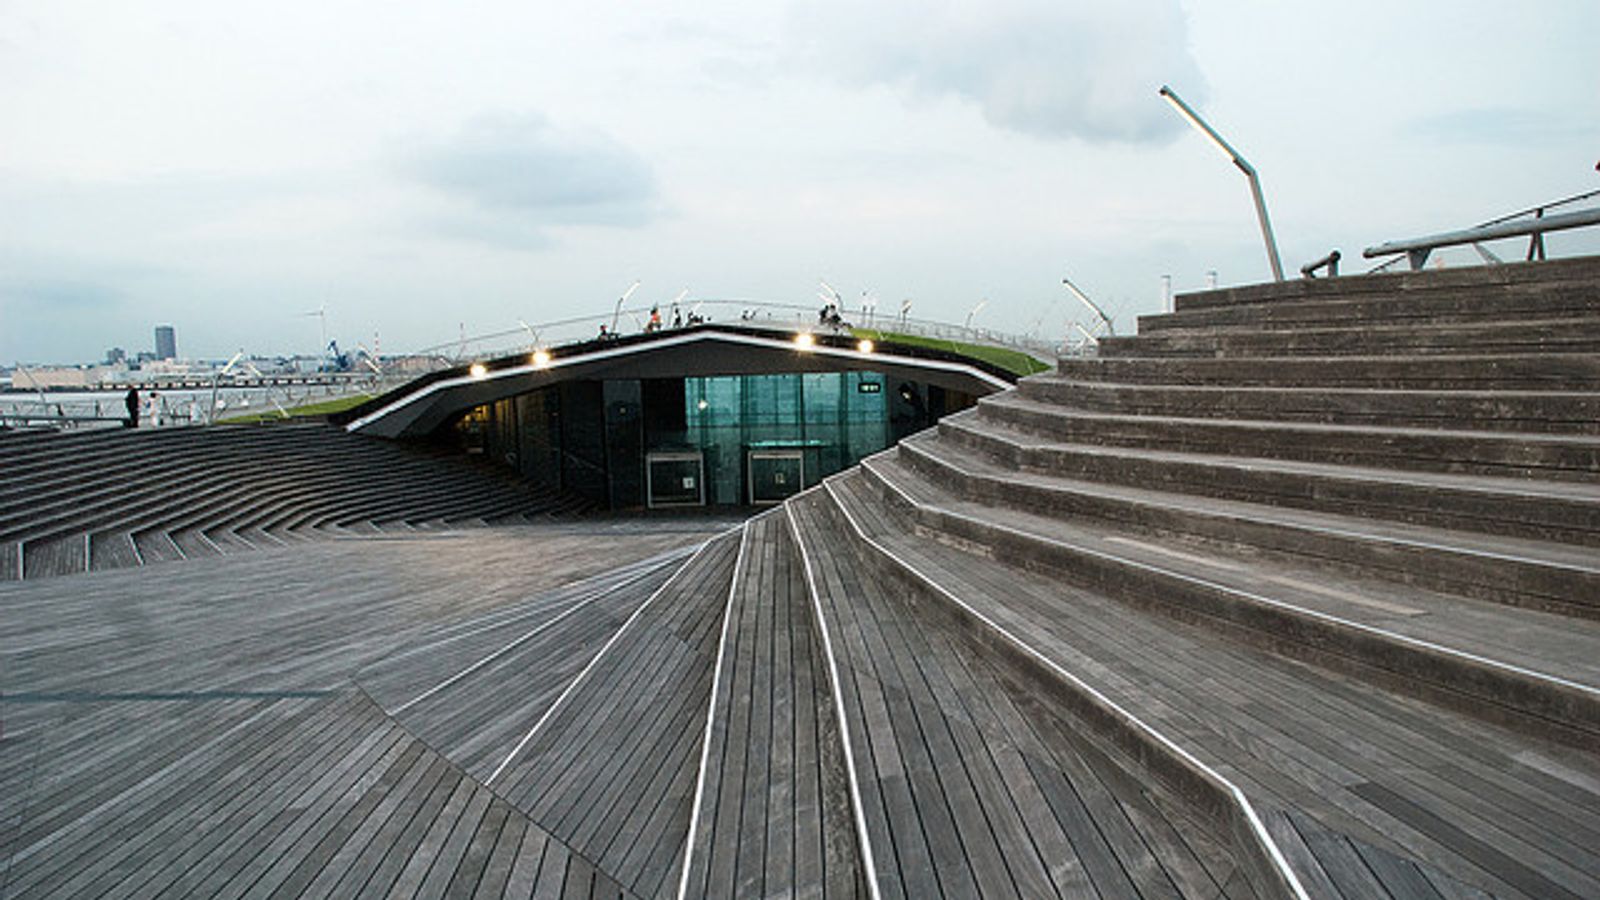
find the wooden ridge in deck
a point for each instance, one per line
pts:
(297, 797)
(473, 695)
(774, 816)
(962, 792)
(1429, 785)
(611, 771)
(193, 730)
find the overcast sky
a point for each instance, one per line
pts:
(420, 167)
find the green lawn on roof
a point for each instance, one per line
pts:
(321, 408)
(1014, 361)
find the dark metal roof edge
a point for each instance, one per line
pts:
(510, 361)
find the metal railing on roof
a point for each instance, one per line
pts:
(783, 317)
(1531, 222)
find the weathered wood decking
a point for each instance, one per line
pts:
(963, 792)
(1127, 633)
(1386, 771)
(190, 730)
(774, 812)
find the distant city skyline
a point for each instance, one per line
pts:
(267, 178)
(166, 342)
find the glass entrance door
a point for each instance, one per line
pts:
(675, 479)
(774, 474)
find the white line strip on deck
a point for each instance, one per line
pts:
(506, 616)
(598, 656)
(594, 595)
(711, 715)
(1262, 836)
(869, 865)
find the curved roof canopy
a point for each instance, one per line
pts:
(699, 351)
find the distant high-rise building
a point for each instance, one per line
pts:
(166, 342)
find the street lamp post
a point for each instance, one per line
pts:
(1244, 166)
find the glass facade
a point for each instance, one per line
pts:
(729, 440)
(827, 417)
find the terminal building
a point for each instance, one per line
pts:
(710, 415)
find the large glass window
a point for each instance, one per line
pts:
(832, 419)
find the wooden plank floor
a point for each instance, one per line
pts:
(612, 770)
(1465, 805)
(474, 694)
(774, 816)
(193, 728)
(321, 796)
(294, 617)
(965, 793)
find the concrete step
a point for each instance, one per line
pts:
(1250, 710)
(260, 539)
(156, 546)
(1554, 412)
(1563, 512)
(136, 489)
(228, 542)
(1554, 578)
(121, 506)
(48, 557)
(10, 561)
(1481, 372)
(1499, 454)
(1572, 335)
(194, 544)
(1519, 303)
(1491, 280)
(1508, 666)
(112, 550)
(882, 674)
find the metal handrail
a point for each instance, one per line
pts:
(1539, 211)
(755, 314)
(1329, 262)
(1416, 250)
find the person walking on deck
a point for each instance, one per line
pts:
(131, 401)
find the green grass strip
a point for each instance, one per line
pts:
(1014, 361)
(322, 408)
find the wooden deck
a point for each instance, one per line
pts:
(207, 729)
(613, 767)
(773, 814)
(966, 789)
(1360, 784)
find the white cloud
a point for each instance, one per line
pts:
(527, 166)
(1049, 68)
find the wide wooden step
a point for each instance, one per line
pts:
(1533, 574)
(970, 785)
(1525, 412)
(1562, 372)
(1500, 454)
(1491, 281)
(1296, 739)
(1574, 335)
(1563, 512)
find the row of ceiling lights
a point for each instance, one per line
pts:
(540, 359)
